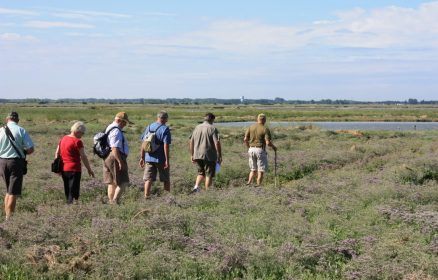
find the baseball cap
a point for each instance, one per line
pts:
(123, 116)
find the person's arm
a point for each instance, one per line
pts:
(270, 144)
(29, 150)
(118, 158)
(84, 159)
(268, 139)
(219, 151)
(142, 154)
(57, 151)
(166, 156)
(192, 149)
(246, 138)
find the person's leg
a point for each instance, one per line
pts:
(10, 203)
(260, 178)
(75, 191)
(111, 192)
(208, 182)
(118, 193)
(262, 164)
(166, 185)
(164, 177)
(199, 179)
(147, 188)
(250, 177)
(66, 186)
(149, 176)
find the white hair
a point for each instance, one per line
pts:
(78, 126)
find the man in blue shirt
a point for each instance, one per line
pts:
(13, 150)
(158, 161)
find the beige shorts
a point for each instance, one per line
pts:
(111, 172)
(151, 169)
(258, 159)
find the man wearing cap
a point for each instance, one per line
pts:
(115, 166)
(158, 161)
(257, 137)
(205, 151)
(15, 143)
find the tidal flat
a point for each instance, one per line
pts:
(346, 204)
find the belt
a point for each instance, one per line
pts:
(255, 146)
(11, 158)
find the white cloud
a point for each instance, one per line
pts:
(16, 37)
(88, 15)
(57, 24)
(5, 11)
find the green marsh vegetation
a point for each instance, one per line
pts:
(349, 206)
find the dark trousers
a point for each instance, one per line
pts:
(72, 184)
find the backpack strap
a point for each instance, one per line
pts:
(11, 140)
(149, 128)
(123, 136)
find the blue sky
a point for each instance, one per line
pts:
(358, 50)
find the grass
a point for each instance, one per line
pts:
(348, 206)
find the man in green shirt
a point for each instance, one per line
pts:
(205, 151)
(257, 137)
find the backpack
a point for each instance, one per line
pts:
(150, 144)
(101, 147)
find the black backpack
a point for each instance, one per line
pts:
(101, 147)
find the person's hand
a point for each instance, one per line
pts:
(121, 165)
(192, 159)
(166, 164)
(91, 173)
(141, 163)
(219, 159)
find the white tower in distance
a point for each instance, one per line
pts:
(242, 99)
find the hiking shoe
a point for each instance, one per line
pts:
(195, 189)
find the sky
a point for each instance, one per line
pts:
(296, 50)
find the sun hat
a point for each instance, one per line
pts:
(123, 116)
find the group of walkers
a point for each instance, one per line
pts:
(204, 145)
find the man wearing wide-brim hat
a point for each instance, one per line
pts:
(115, 166)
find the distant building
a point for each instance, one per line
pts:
(242, 99)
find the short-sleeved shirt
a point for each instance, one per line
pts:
(205, 138)
(116, 139)
(22, 141)
(162, 136)
(69, 151)
(257, 135)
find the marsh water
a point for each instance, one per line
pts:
(347, 125)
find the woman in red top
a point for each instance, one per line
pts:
(71, 149)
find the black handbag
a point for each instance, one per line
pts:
(57, 165)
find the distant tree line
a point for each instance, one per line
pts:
(199, 101)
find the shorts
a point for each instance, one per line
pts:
(206, 168)
(111, 172)
(151, 169)
(258, 159)
(11, 170)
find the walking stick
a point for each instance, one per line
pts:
(275, 168)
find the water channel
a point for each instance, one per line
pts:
(346, 125)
